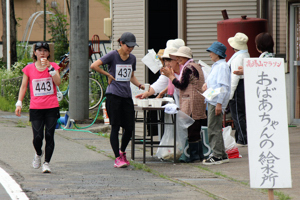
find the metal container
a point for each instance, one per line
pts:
(250, 26)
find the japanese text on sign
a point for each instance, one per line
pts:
(261, 63)
(268, 144)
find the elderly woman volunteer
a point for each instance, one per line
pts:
(219, 77)
(189, 83)
(237, 94)
(163, 82)
(264, 45)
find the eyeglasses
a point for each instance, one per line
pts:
(42, 44)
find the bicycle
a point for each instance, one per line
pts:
(95, 88)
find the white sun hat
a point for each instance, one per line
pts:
(168, 51)
(183, 51)
(239, 41)
(176, 43)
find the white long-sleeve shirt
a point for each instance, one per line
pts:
(235, 63)
(160, 84)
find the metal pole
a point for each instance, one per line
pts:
(44, 20)
(65, 9)
(8, 57)
(79, 60)
(68, 6)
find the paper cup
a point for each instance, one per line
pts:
(147, 86)
(157, 103)
(151, 101)
(134, 100)
(43, 61)
(139, 102)
(145, 103)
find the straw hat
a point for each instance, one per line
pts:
(239, 41)
(169, 50)
(160, 53)
(218, 48)
(183, 51)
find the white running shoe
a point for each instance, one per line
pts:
(37, 160)
(46, 168)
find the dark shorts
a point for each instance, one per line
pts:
(120, 110)
(38, 114)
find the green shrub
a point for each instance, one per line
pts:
(11, 82)
(5, 105)
(2, 64)
(58, 28)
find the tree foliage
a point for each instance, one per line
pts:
(58, 27)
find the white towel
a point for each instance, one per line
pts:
(171, 108)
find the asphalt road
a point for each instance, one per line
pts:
(82, 168)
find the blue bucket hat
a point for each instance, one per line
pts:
(218, 48)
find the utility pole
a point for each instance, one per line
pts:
(79, 60)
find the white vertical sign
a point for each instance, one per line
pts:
(267, 127)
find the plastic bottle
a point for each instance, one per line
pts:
(105, 116)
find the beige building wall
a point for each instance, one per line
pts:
(25, 8)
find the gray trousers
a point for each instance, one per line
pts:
(214, 129)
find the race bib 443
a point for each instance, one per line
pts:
(42, 87)
(123, 72)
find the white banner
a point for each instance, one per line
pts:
(267, 127)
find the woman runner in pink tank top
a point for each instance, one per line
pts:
(43, 77)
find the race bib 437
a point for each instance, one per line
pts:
(123, 72)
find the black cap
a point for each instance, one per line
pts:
(44, 45)
(128, 39)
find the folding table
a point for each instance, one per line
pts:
(148, 141)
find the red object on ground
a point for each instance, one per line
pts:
(233, 153)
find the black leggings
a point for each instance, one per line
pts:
(114, 138)
(38, 126)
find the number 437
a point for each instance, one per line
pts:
(124, 72)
